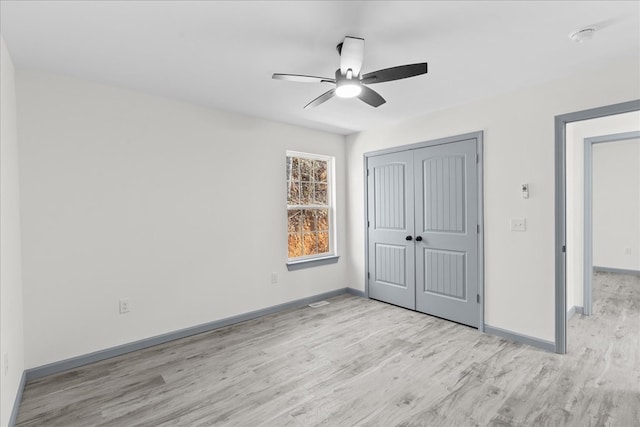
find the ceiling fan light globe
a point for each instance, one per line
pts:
(348, 90)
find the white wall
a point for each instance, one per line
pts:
(577, 132)
(11, 320)
(519, 148)
(616, 207)
(179, 208)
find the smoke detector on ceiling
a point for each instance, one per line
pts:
(582, 35)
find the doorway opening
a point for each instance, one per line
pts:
(564, 246)
(607, 174)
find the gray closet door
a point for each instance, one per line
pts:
(446, 218)
(391, 210)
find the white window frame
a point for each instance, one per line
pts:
(326, 257)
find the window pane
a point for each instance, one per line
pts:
(306, 195)
(295, 169)
(322, 218)
(320, 195)
(295, 245)
(309, 245)
(306, 169)
(293, 193)
(293, 218)
(323, 242)
(309, 221)
(320, 171)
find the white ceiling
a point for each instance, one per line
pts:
(222, 54)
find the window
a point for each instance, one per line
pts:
(309, 206)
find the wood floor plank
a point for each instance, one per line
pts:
(366, 363)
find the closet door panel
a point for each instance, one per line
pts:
(446, 221)
(390, 205)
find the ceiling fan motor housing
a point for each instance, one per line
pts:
(340, 76)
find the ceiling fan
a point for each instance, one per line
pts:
(348, 81)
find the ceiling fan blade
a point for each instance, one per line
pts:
(302, 78)
(351, 55)
(371, 97)
(394, 73)
(322, 98)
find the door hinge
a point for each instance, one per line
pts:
(478, 228)
(564, 248)
(477, 158)
(478, 298)
(367, 172)
(368, 275)
(368, 224)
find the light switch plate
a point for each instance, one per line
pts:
(518, 224)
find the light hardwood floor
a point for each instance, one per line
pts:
(362, 362)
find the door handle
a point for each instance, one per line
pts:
(408, 238)
(418, 238)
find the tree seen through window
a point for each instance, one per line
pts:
(308, 207)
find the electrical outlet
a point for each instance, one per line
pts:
(6, 364)
(274, 278)
(125, 305)
(627, 251)
(518, 224)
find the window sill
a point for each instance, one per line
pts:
(313, 262)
